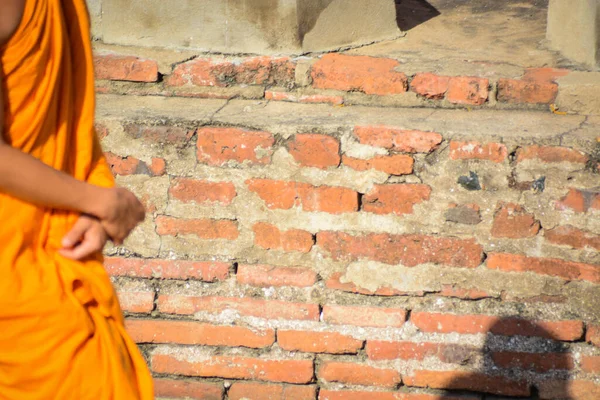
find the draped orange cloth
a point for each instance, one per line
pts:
(61, 328)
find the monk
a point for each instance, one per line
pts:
(62, 334)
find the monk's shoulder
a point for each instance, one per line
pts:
(11, 12)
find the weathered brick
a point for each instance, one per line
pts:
(208, 271)
(567, 270)
(268, 309)
(219, 146)
(465, 380)
(373, 395)
(590, 364)
(381, 350)
(172, 388)
(308, 98)
(539, 362)
(396, 199)
(195, 333)
(358, 374)
(201, 191)
(268, 275)
(285, 195)
(125, 68)
(396, 164)
(409, 250)
(258, 391)
(496, 152)
(130, 165)
(551, 154)
(370, 75)
(522, 91)
(232, 367)
(364, 316)
(467, 90)
(468, 214)
(580, 200)
(334, 282)
(572, 389)
(318, 342)
(430, 86)
(408, 141)
(568, 235)
(158, 166)
(159, 134)
(203, 228)
(101, 130)
(313, 150)
(462, 293)
(566, 330)
(270, 237)
(221, 73)
(512, 221)
(136, 302)
(592, 335)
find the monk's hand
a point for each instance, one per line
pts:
(123, 212)
(86, 238)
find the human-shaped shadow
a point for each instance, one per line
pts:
(521, 359)
(411, 13)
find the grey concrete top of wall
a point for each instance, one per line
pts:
(244, 26)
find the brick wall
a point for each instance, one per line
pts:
(307, 252)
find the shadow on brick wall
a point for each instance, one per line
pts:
(411, 13)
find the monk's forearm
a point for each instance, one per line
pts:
(26, 178)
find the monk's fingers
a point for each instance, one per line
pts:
(77, 232)
(91, 244)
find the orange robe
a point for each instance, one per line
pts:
(61, 327)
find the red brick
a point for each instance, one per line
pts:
(469, 214)
(187, 389)
(566, 330)
(202, 191)
(465, 380)
(358, 374)
(590, 364)
(268, 309)
(396, 164)
(334, 282)
(544, 74)
(285, 195)
(430, 86)
(203, 228)
(159, 134)
(232, 367)
(364, 316)
(560, 389)
(495, 152)
(409, 250)
(579, 200)
(568, 235)
(268, 275)
(593, 335)
(312, 150)
(567, 270)
(136, 302)
(539, 362)
(270, 237)
(462, 293)
(101, 130)
(398, 139)
(219, 146)
(208, 271)
(221, 73)
(370, 75)
(551, 154)
(467, 90)
(260, 391)
(522, 91)
(125, 68)
(123, 165)
(370, 395)
(195, 333)
(310, 98)
(381, 350)
(512, 221)
(318, 342)
(158, 167)
(396, 199)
